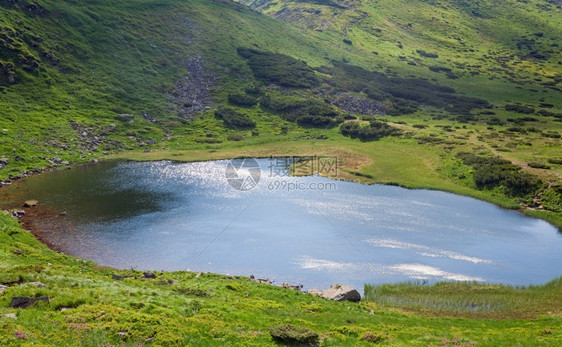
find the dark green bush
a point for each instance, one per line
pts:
(242, 99)
(292, 335)
(253, 90)
(517, 130)
(546, 113)
(495, 121)
(492, 172)
(552, 198)
(427, 54)
(279, 68)
(538, 165)
(234, 119)
(406, 94)
(235, 137)
(202, 140)
(314, 121)
(439, 69)
(519, 109)
(292, 108)
(191, 291)
(373, 131)
(551, 134)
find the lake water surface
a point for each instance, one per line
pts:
(312, 230)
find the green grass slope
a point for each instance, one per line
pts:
(518, 41)
(87, 306)
(67, 68)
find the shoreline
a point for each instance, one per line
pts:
(350, 175)
(51, 216)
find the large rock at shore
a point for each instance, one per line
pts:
(30, 203)
(338, 292)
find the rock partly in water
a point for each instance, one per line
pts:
(338, 292)
(18, 213)
(260, 280)
(117, 277)
(290, 286)
(30, 203)
(24, 301)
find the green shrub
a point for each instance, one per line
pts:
(551, 134)
(242, 99)
(492, 172)
(255, 90)
(538, 165)
(314, 121)
(552, 198)
(292, 335)
(191, 291)
(234, 286)
(207, 140)
(234, 119)
(373, 131)
(426, 54)
(293, 108)
(439, 69)
(519, 109)
(235, 137)
(279, 68)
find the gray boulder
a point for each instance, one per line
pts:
(338, 292)
(148, 274)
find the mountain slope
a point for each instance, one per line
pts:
(66, 62)
(516, 40)
(81, 81)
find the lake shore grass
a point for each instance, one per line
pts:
(92, 305)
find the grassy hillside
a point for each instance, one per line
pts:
(517, 41)
(79, 82)
(68, 68)
(87, 305)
